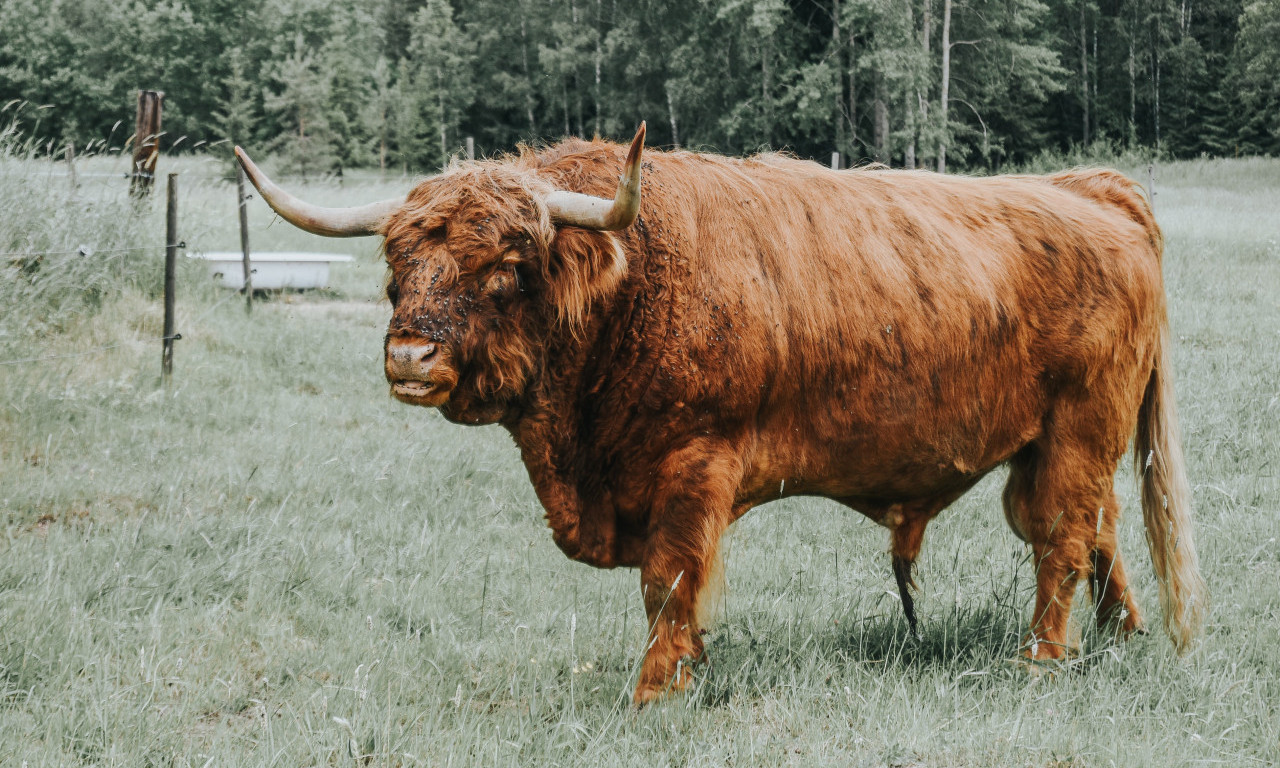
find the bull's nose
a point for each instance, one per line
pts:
(420, 372)
(410, 352)
(411, 359)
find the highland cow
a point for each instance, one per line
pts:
(765, 327)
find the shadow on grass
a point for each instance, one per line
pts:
(983, 640)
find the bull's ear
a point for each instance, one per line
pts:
(584, 267)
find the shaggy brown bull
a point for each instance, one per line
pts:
(765, 327)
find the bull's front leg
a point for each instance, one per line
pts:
(693, 505)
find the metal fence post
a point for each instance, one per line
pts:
(170, 264)
(244, 238)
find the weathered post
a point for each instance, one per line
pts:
(1151, 185)
(835, 161)
(146, 142)
(471, 148)
(244, 238)
(71, 164)
(170, 265)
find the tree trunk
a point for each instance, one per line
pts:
(881, 121)
(444, 129)
(946, 86)
(564, 96)
(528, 78)
(577, 86)
(839, 58)
(765, 88)
(1084, 73)
(853, 96)
(1155, 45)
(1133, 96)
(923, 96)
(909, 110)
(671, 113)
(599, 61)
(1093, 93)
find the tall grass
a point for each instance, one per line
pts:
(69, 250)
(1100, 152)
(64, 249)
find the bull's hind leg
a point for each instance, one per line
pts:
(1113, 602)
(1055, 490)
(691, 510)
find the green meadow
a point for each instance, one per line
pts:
(271, 562)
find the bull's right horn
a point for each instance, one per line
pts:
(368, 219)
(591, 212)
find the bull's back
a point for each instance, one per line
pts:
(913, 326)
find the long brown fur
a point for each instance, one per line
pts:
(770, 328)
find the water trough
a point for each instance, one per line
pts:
(272, 270)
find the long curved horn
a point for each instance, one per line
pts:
(368, 219)
(590, 212)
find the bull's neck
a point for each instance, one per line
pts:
(578, 409)
(562, 399)
(562, 443)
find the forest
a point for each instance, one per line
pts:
(975, 85)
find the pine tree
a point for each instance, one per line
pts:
(299, 104)
(440, 56)
(236, 119)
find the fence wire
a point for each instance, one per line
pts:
(196, 321)
(86, 250)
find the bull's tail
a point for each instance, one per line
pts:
(1166, 505)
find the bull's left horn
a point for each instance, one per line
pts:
(590, 212)
(368, 219)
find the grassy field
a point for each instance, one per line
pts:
(276, 564)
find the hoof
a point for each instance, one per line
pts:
(647, 693)
(1123, 623)
(1036, 669)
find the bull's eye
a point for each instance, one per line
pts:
(503, 284)
(393, 291)
(523, 277)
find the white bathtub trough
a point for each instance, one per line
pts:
(271, 270)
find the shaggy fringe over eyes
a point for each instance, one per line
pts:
(480, 208)
(480, 213)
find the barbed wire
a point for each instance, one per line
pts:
(175, 337)
(85, 250)
(230, 178)
(105, 347)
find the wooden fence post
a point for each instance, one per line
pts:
(146, 142)
(244, 238)
(71, 164)
(170, 264)
(471, 148)
(835, 161)
(1151, 185)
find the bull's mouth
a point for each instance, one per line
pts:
(420, 393)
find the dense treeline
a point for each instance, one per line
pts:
(330, 84)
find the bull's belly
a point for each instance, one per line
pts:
(895, 459)
(869, 489)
